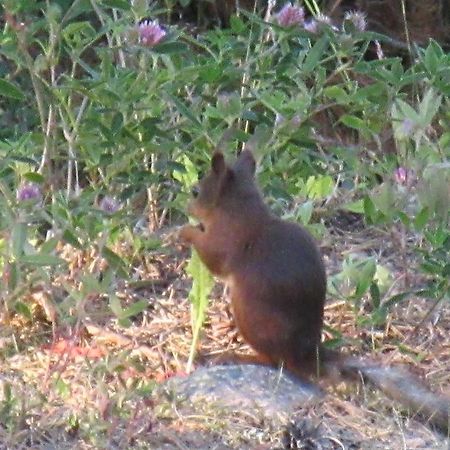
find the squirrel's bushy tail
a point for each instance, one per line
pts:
(399, 385)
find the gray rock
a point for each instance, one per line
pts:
(243, 387)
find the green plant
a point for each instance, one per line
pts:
(202, 284)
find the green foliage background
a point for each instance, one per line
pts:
(87, 112)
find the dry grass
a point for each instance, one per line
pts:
(88, 383)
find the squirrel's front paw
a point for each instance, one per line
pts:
(185, 234)
(188, 233)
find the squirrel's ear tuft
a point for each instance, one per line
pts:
(218, 163)
(246, 162)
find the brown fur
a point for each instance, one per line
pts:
(277, 282)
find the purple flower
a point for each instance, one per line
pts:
(296, 121)
(290, 15)
(109, 205)
(317, 24)
(401, 175)
(150, 33)
(311, 26)
(357, 18)
(322, 18)
(407, 127)
(28, 191)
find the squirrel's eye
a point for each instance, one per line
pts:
(195, 191)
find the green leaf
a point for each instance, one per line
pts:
(79, 34)
(431, 267)
(134, 309)
(170, 48)
(319, 187)
(23, 159)
(202, 283)
(336, 93)
(355, 207)
(378, 317)
(353, 122)
(8, 89)
(63, 388)
(40, 260)
(18, 237)
(115, 261)
(446, 271)
(34, 177)
(24, 310)
(384, 199)
(201, 286)
(185, 111)
(91, 284)
(237, 25)
(375, 295)
(433, 54)
(50, 245)
(313, 56)
(115, 305)
(397, 298)
(405, 112)
(188, 176)
(125, 322)
(366, 274)
(404, 218)
(383, 278)
(444, 140)
(210, 73)
(14, 275)
(71, 239)
(370, 211)
(421, 219)
(428, 107)
(305, 212)
(117, 123)
(150, 244)
(130, 311)
(118, 4)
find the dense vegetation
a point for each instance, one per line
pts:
(106, 124)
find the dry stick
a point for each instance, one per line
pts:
(153, 220)
(165, 211)
(405, 22)
(70, 137)
(270, 5)
(119, 43)
(46, 152)
(152, 195)
(51, 112)
(245, 78)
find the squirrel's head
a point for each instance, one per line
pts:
(224, 186)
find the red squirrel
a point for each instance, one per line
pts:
(277, 284)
